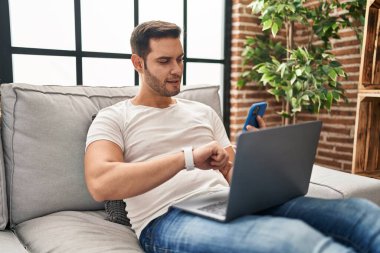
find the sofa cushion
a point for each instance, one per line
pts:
(3, 195)
(328, 183)
(44, 133)
(70, 231)
(9, 243)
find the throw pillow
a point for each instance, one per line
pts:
(115, 210)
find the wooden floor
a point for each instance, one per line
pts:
(373, 174)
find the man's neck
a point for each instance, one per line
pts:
(152, 100)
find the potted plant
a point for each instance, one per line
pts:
(303, 77)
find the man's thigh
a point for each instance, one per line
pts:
(179, 231)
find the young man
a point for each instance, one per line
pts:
(143, 150)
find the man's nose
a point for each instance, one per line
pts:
(177, 68)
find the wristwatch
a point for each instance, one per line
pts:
(189, 161)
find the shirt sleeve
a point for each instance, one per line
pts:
(107, 125)
(220, 134)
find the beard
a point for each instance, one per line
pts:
(161, 87)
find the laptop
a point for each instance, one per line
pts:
(271, 166)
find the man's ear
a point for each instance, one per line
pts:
(137, 62)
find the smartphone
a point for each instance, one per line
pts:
(256, 109)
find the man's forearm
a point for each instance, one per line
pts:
(121, 180)
(109, 177)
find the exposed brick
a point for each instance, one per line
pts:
(348, 140)
(339, 130)
(346, 43)
(349, 60)
(341, 121)
(348, 51)
(337, 156)
(349, 69)
(347, 33)
(344, 149)
(328, 163)
(347, 167)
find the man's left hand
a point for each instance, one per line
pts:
(261, 122)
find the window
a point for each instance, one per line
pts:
(86, 42)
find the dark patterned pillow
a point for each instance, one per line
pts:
(115, 210)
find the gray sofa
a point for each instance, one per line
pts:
(44, 202)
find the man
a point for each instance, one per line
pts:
(143, 150)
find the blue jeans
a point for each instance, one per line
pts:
(300, 225)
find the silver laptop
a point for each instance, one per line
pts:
(271, 166)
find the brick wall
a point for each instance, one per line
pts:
(337, 137)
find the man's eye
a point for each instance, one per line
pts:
(163, 61)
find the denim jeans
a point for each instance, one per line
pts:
(300, 225)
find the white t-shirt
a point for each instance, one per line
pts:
(144, 133)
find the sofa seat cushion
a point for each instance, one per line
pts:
(74, 231)
(9, 243)
(328, 183)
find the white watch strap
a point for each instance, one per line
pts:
(189, 161)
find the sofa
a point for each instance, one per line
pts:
(44, 203)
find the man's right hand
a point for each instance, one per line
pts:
(211, 156)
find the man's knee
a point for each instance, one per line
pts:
(362, 204)
(285, 235)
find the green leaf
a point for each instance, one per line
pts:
(292, 8)
(274, 29)
(256, 6)
(340, 72)
(267, 24)
(289, 94)
(298, 86)
(308, 69)
(266, 78)
(240, 83)
(297, 109)
(335, 64)
(294, 77)
(282, 68)
(329, 100)
(336, 94)
(332, 74)
(280, 8)
(262, 69)
(245, 74)
(299, 72)
(275, 61)
(275, 92)
(325, 69)
(304, 53)
(325, 55)
(305, 97)
(284, 114)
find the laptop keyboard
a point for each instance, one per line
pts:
(218, 208)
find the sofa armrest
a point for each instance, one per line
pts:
(329, 183)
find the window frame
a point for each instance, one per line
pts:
(6, 50)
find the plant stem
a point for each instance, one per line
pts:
(289, 25)
(287, 109)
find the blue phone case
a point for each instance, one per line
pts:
(256, 109)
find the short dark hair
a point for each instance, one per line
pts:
(142, 34)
